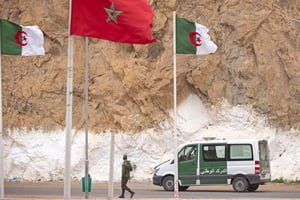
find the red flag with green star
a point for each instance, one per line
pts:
(126, 21)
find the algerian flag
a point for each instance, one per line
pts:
(21, 40)
(192, 38)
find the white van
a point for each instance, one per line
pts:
(243, 163)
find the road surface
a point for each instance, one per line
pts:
(55, 190)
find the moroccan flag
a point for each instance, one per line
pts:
(192, 38)
(21, 40)
(126, 21)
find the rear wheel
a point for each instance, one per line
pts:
(240, 184)
(253, 187)
(168, 183)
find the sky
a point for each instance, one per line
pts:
(40, 156)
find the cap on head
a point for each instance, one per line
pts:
(124, 157)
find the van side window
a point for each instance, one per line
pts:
(240, 152)
(187, 153)
(215, 152)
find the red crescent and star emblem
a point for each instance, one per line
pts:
(21, 38)
(195, 38)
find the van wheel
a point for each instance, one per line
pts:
(253, 187)
(240, 184)
(168, 183)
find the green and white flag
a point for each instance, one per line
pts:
(193, 38)
(21, 40)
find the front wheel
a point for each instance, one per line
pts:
(168, 183)
(240, 184)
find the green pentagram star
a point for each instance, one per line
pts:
(112, 13)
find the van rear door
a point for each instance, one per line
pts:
(265, 169)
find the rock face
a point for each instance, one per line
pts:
(131, 86)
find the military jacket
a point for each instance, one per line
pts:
(126, 169)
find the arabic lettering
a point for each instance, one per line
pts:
(213, 171)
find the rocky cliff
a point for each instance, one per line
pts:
(131, 86)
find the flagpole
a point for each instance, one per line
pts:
(176, 192)
(86, 117)
(69, 96)
(111, 167)
(1, 128)
(67, 184)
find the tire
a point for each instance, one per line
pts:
(240, 184)
(183, 188)
(168, 183)
(253, 187)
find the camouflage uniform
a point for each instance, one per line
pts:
(126, 169)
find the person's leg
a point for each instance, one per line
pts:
(122, 195)
(123, 187)
(128, 189)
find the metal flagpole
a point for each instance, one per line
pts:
(69, 94)
(1, 128)
(176, 192)
(111, 167)
(86, 117)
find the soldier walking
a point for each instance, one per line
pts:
(126, 169)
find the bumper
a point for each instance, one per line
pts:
(256, 179)
(157, 180)
(263, 181)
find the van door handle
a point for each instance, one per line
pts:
(193, 163)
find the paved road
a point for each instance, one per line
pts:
(148, 191)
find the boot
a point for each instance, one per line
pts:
(131, 194)
(122, 195)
